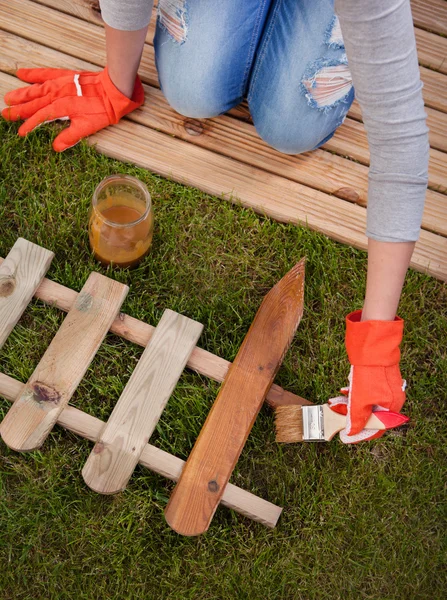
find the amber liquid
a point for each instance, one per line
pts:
(115, 237)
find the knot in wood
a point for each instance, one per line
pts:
(213, 486)
(45, 393)
(7, 286)
(350, 195)
(193, 127)
(84, 301)
(99, 447)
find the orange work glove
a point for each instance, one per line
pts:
(375, 382)
(89, 100)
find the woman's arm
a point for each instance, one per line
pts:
(126, 25)
(124, 50)
(382, 57)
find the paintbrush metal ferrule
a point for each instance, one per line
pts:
(313, 424)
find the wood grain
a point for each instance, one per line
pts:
(223, 436)
(20, 275)
(136, 414)
(153, 458)
(430, 14)
(63, 365)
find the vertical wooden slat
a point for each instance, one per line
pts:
(136, 414)
(63, 365)
(20, 276)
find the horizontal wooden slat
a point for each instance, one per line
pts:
(153, 458)
(140, 333)
(430, 14)
(318, 169)
(436, 122)
(432, 50)
(20, 276)
(350, 139)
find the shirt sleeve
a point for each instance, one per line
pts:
(382, 57)
(126, 15)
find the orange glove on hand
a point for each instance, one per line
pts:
(375, 382)
(89, 100)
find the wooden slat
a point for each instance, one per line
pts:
(140, 333)
(20, 275)
(153, 458)
(63, 365)
(432, 50)
(226, 429)
(318, 169)
(430, 14)
(135, 416)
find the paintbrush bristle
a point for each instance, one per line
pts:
(289, 423)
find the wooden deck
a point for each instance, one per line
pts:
(325, 189)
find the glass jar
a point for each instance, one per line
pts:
(121, 221)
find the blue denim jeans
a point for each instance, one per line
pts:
(286, 57)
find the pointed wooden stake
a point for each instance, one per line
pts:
(220, 443)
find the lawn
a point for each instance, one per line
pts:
(360, 522)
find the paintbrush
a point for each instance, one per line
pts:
(296, 423)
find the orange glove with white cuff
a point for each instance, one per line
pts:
(89, 100)
(375, 382)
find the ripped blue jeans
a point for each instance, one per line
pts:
(285, 56)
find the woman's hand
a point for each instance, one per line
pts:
(375, 382)
(90, 101)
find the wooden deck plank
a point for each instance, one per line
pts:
(153, 458)
(317, 169)
(56, 377)
(436, 122)
(270, 194)
(430, 15)
(432, 50)
(118, 449)
(20, 275)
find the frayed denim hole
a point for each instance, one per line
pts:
(332, 36)
(173, 18)
(327, 83)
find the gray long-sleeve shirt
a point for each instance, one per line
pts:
(381, 50)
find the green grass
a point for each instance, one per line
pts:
(362, 522)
